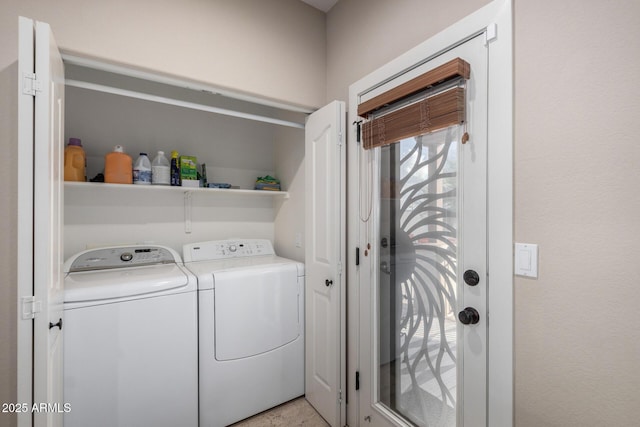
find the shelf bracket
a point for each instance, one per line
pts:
(187, 212)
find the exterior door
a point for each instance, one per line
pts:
(325, 283)
(423, 277)
(47, 225)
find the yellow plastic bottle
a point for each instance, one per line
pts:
(118, 167)
(75, 161)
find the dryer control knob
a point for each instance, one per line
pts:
(233, 248)
(127, 256)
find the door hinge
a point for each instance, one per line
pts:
(30, 307)
(30, 84)
(340, 139)
(340, 397)
(491, 33)
(357, 380)
(339, 268)
(357, 256)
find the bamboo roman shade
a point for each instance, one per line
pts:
(436, 110)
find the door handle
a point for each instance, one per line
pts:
(328, 282)
(469, 316)
(471, 278)
(56, 325)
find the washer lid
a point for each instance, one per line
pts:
(118, 283)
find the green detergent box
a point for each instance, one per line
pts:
(188, 171)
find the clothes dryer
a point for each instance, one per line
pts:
(251, 328)
(130, 339)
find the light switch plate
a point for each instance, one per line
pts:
(526, 260)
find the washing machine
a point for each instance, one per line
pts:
(251, 328)
(130, 339)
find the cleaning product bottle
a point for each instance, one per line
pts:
(175, 169)
(203, 176)
(75, 161)
(117, 167)
(142, 170)
(160, 170)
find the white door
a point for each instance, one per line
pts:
(47, 225)
(25, 220)
(325, 285)
(424, 224)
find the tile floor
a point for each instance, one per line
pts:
(297, 412)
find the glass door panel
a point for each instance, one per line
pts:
(418, 231)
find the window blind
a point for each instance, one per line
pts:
(436, 110)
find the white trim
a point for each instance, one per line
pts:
(500, 196)
(178, 103)
(342, 245)
(172, 81)
(500, 218)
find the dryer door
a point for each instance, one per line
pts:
(256, 310)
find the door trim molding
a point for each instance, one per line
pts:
(495, 22)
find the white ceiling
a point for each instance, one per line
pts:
(323, 5)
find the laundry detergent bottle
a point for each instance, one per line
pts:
(75, 161)
(118, 167)
(142, 170)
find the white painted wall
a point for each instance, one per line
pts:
(577, 350)
(115, 217)
(271, 48)
(289, 214)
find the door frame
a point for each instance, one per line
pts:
(495, 22)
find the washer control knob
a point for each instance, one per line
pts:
(233, 248)
(127, 256)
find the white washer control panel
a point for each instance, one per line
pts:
(224, 249)
(131, 256)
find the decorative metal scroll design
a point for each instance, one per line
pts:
(428, 215)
